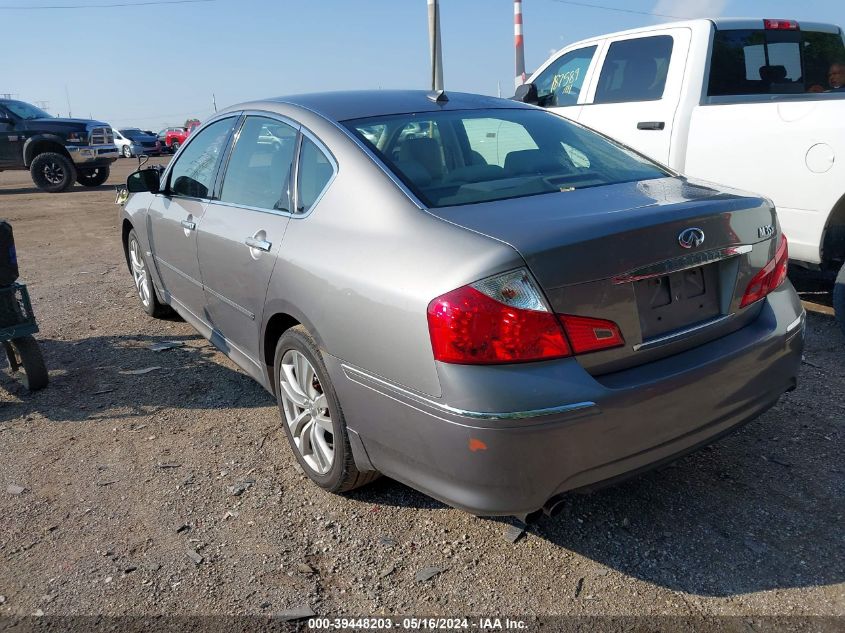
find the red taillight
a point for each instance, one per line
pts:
(770, 277)
(590, 335)
(467, 326)
(504, 319)
(780, 25)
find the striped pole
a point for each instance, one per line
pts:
(518, 43)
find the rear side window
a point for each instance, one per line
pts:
(315, 172)
(258, 173)
(758, 61)
(194, 172)
(561, 83)
(635, 70)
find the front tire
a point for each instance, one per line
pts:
(93, 177)
(141, 276)
(839, 298)
(127, 153)
(311, 414)
(52, 172)
(174, 146)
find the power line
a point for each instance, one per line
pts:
(606, 8)
(112, 5)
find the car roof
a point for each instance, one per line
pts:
(359, 104)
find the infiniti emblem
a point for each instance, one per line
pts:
(691, 237)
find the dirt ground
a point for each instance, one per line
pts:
(131, 501)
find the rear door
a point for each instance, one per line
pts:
(243, 228)
(175, 215)
(636, 96)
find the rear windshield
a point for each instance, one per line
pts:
(757, 61)
(467, 156)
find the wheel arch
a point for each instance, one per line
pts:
(833, 237)
(43, 143)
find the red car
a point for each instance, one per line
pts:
(172, 138)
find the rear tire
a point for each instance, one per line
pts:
(311, 412)
(141, 276)
(25, 353)
(839, 298)
(93, 176)
(52, 172)
(174, 146)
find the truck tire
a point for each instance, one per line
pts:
(93, 176)
(174, 146)
(52, 172)
(839, 298)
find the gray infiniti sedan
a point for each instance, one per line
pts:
(470, 295)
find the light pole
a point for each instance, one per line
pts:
(519, 48)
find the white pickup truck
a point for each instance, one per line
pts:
(754, 104)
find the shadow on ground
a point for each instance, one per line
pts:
(88, 380)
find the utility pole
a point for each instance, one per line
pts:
(67, 96)
(434, 45)
(519, 48)
(214, 102)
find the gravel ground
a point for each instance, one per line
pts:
(175, 492)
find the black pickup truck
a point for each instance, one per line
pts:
(57, 152)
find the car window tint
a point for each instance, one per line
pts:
(258, 173)
(493, 139)
(193, 173)
(467, 156)
(635, 70)
(315, 172)
(561, 83)
(758, 61)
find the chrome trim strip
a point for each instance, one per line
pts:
(159, 260)
(231, 303)
(692, 260)
(796, 322)
(662, 340)
(356, 374)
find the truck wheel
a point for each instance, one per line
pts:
(127, 153)
(52, 172)
(93, 177)
(24, 352)
(839, 298)
(174, 146)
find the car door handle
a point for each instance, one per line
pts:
(191, 226)
(651, 125)
(261, 245)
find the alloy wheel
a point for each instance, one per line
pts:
(307, 411)
(54, 173)
(139, 272)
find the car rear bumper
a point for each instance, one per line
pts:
(554, 428)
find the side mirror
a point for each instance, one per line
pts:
(527, 93)
(144, 180)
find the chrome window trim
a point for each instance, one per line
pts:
(372, 156)
(356, 375)
(165, 177)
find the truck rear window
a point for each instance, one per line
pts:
(757, 61)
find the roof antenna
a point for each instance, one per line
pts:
(437, 94)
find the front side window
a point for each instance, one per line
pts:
(467, 156)
(759, 61)
(258, 173)
(315, 172)
(561, 83)
(193, 173)
(635, 70)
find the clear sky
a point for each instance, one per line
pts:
(156, 65)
